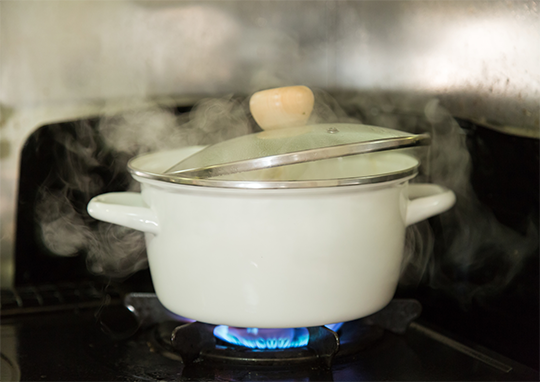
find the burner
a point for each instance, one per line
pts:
(196, 342)
(189, 342)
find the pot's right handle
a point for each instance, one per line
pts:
(427, 200)
(124, 208)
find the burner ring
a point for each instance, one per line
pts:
(356, 337)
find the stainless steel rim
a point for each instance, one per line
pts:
(339, 182)
(298, 157)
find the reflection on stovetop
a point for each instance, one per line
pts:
(119, 343)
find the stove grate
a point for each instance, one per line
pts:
(193, 342)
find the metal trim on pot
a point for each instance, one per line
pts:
(338, 182)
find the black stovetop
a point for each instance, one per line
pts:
(75, 344)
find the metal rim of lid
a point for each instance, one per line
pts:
(285, 184)
(299, 157)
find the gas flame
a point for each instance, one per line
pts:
(262, 339)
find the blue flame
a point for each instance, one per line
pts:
(255, 338)
(334, 327)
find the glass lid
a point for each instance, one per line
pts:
(287, 153)
(290, 146)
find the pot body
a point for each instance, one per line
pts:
(276, 258)
(273, 258)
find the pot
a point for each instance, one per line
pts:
(320, 249)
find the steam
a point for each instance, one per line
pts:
(483, 254)
(479, 256)
(112, 250)
(62, 227)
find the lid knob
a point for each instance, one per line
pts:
(282, 107)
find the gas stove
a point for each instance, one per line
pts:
(135, 338)
(464, 71)
(118, 329)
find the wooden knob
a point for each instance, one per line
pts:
(282, 107)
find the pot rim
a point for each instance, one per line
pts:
(154, 173)
(282, 184)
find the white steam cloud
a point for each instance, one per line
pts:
(112, 250)
(475, 243)
(474, 238)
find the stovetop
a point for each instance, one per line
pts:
(109, 343)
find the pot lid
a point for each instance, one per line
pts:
(288, 154)
(291, 146)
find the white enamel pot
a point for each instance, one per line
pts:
(272, 258)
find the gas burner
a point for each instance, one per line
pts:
(147, 342)
(194, 342)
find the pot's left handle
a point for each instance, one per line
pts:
(124, 208)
